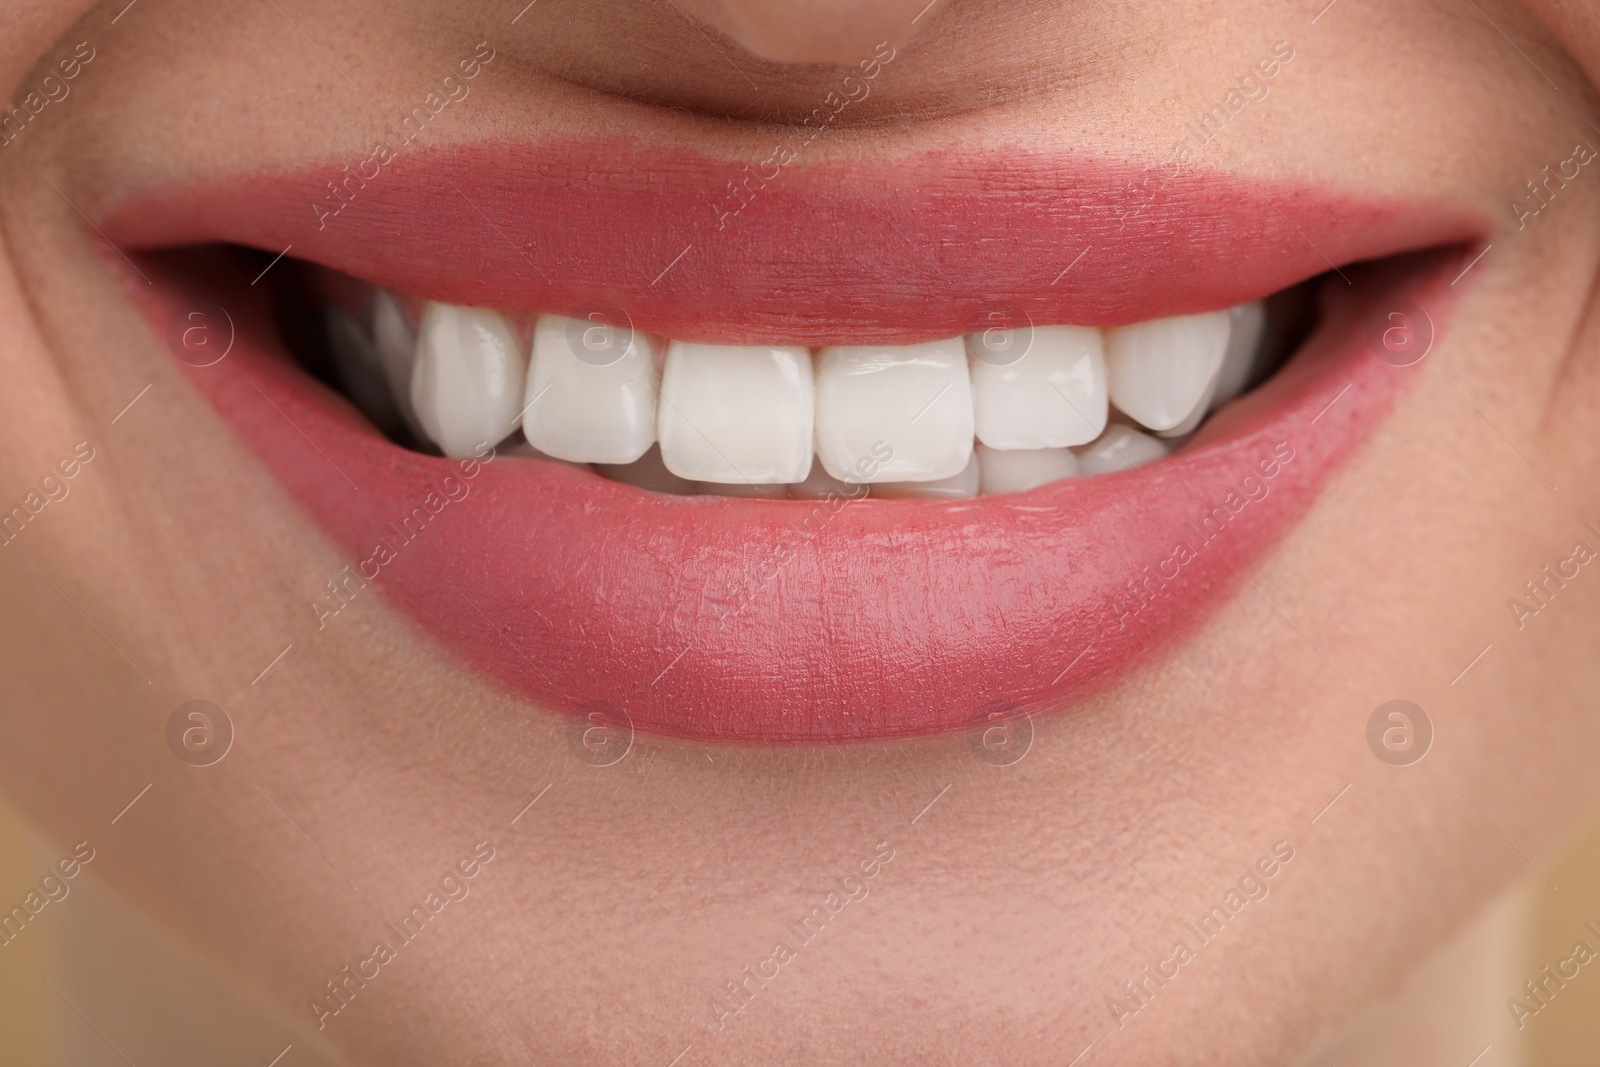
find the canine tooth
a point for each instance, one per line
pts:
(958, 487)
(1018, 470)
(820, 485)
(894, 413)
(1247, 323)
(1051, 395)
(591, 395)
(1244, 345)
(1196, 417)
(1120, 448)
(737, 414)
(466, 386)
(360, 368)
(397, 352)
(648, 472)
(1159, 371)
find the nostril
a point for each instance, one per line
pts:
(813, 31)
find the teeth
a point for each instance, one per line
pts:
(774, 422)
(1196, 417)
(958, 487)
(766, 490)
(737, 415)
(1248, 323)
(466, 386)
(1023, 469)
(820, 485)
(1052, 396)
(360, 368)
(591, 395)
(894, 413)
(1160, 371)
(521, 449)
(648, 472)
(1244, 350)
(1121, 448)
(397, 352)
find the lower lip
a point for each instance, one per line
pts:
(753, 621)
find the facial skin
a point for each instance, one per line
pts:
(617, 906)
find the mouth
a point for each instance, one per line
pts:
(882, 453)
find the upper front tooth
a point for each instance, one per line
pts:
(466, 386)
(591, 394)
(820, 485)
(1160, 371)
(894, 413)
(1045, 393)
(1244, 343)
(737, 414)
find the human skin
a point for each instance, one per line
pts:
(619, 904)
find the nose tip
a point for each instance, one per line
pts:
(814, 31)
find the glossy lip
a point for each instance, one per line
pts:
(770, 621)
(924, 246)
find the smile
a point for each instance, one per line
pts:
(860, 463)
(1001, 410)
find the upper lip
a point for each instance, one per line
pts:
(898, 618)
(924, 246)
